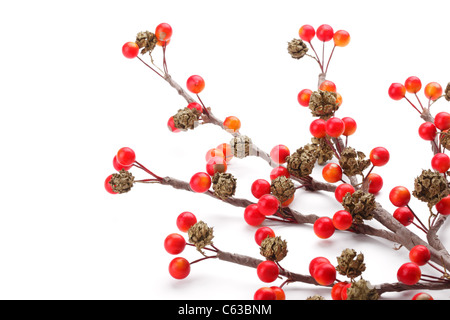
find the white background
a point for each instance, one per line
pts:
(70, 100)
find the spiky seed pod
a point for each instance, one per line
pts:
(200, 235)
(301, 162)
(323, 104)
(122, 182)
(362, 290)
(360, 204)
(323, 150)
(444, 138)
(240, 146)
(224, 185)
(447, 92)
(353, 162)
(350, 264)
(430, 187)
(273, 248)
(146, 41)
(297, 48)
(283, 188)
(186, 118)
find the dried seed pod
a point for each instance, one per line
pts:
(353, 162)
(297, 48)
(301, 163)
(430, 187)
(350, 264)
(323, 150)
(316, 297)
(224, 185)
(186, 119)
(240, 146)
(362, 290)
(122, 182)
(283, 188)
(444, 138)
(146, 41)
(200, 235)
(360, 204)
(323, 104)
(447, 92)
(273, 248)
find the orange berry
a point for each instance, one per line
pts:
(226, 150)
(341, 38)
(327, 85)
(433, 90)
(232, 123)
(214, 152)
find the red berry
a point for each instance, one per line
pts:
(341, 38)
(171, 125)
(267, 271)
(260, 187)
(325, 274)
(278, 292)
(342, 190)
(433, 90)
(409, 273)
(427, 131)
(335, 127)
(440, 162)
(413, 84)
(375, 182)
(325, 33)
(163, 32)
(397, 91)
(379, 156)
(185, 220)
(279, 153)
(279, 171)
(265, 293)
(252, 215)
(350, 126)
(232, 124)
(195, 106)
(422, 296)
(303, 97)
(442, 120)
(268, 204)
(130, 50)
(263, 233)
(399, 196)
(306, 33)
(200, 182)
(179, 268)
(336, 291)
(195, 84)
(328, 85)
(119, 166)
(404, 216)
(443, 206)
(315, 263)
(324, 227)
(342, 220)
(108, 186)
(318, 128)
(420, 255)
(126, 156)
(332, 172)
(216, 164)
(344, 291)
(174, 243)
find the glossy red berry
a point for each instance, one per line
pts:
(118, 166)
(433, 90)
(216, 165)
(335, 127)
(336, 291)
(318, 128)
(443, 206)
(108, 186)
(379, 156)
(260, 187)
(200, 182)
(279, 153)
(315, 263)
(427, 131)
(442, 120)
(163, 32)
(332, 172)
(397, 91)
(303, 97)
(413, 84)
(126, 156)
(328, 85)
(278, 292)
(325, 274)
(404, 216)
(265, 293)
(268, 204)
(252, 215)
(195, 106)
(341, 38)
(171, 125)
(350, 126)
(325, 33)
(185, 220)
(409, 273)
(422, 296)
(267, 271)
(263, 233)
(400, 196)
(342, 190)
(375, 183)
(306, 33)
(440, 162)
(324, 227)
(174, 243)
(279, 171)
(130, 50)
(179, 268)
(195, 84)
(419, 254)
(342, 220)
